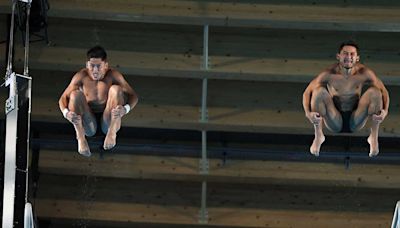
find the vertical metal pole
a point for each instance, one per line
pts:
(29, 95)
(28, 12)
(11, 41)
(204, 118)
(23, 167)
(203, 218)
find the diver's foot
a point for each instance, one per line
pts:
(316, 145)
(373, 146)
(83, 148)
(110, 141)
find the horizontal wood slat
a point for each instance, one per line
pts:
(235, 171)
(228, 205)
(292, 16)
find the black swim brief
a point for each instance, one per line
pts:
(99, 119)
(346, 115)
(346, 121)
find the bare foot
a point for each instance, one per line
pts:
(316, 145)
(373, 146)
(111, 137)
(83, 148)
(110, 140)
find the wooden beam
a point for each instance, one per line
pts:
(232, 171)
(104, 199)
(287, 16)
(106, 211)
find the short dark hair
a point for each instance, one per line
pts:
(97, 52)
(348, 43)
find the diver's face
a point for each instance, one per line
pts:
(97, 68)
(348, 57)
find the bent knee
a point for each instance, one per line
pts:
(373, 99)
(76, 94)
(373, 92)
(320, 94)
(320, 91)
(115, 90)
(116, 95)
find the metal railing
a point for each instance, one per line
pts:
(28, 216)
(396, 215)
(19, 102)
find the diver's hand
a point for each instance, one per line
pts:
(379, 117)
(73, 117)
(314, 117)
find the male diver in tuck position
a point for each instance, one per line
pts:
(344, 97)
(97, 96)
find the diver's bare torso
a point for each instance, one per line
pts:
(96, 91)
(346, 89)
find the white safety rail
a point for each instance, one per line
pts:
(11, 109)
(10, 154)
(28, 216)
(396, 216)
